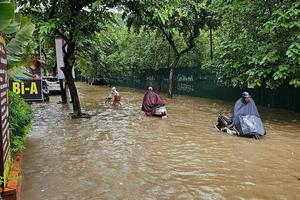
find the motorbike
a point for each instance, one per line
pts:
(250, 126)
(45, 90)
(115, 103)
(160, 111)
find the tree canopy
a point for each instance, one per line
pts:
(256, 42)
(119, 52)
(70, 20)
(259, 43)
(183, 19)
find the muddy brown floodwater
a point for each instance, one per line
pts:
(121, 154)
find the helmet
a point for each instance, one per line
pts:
(246, 94)
(113, 89)
(150, 88)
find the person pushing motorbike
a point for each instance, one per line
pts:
(246, 120)
(151, 101)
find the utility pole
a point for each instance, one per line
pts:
(211, 43)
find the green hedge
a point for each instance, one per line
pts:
(19, 121)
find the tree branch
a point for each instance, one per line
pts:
(64, 48)
(169, 38)
(78, 4)
(193, 35)
(62, 35)
(183, 20)
(52, 10)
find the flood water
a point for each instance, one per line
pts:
(122, 154)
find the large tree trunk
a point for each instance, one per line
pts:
(69, 59)
(171, 72)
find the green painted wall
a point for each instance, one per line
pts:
(200, 83)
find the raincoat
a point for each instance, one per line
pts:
(151, 101)
(247, 119)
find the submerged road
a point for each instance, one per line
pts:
(122, 154)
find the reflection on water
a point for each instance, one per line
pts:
(121, 154)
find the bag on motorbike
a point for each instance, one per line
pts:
(251, 125)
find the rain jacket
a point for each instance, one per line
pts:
(151, 101)
(247, 119)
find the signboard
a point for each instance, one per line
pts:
(4, 134)
(59, 42)
(29, 90)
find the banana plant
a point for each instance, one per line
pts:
(17, 47)
(20, 31)
(7, 13)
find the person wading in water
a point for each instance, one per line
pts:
(151, 102)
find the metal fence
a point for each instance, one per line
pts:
(201, 83)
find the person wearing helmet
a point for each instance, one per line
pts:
(243, 108)
(151, 101)
(246, 97)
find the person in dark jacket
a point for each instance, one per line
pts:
(151, 101)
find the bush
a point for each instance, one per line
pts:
(19, 121)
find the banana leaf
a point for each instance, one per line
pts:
(16, 47)
(7, 10)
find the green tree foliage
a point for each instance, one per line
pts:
(17, 47)
(18, 32)
(181, 18)
(69, 19)
(259, 42)
(6, 14)
(19, 121)
(119, 52)
(96, 56)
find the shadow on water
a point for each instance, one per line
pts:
(121, 154)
